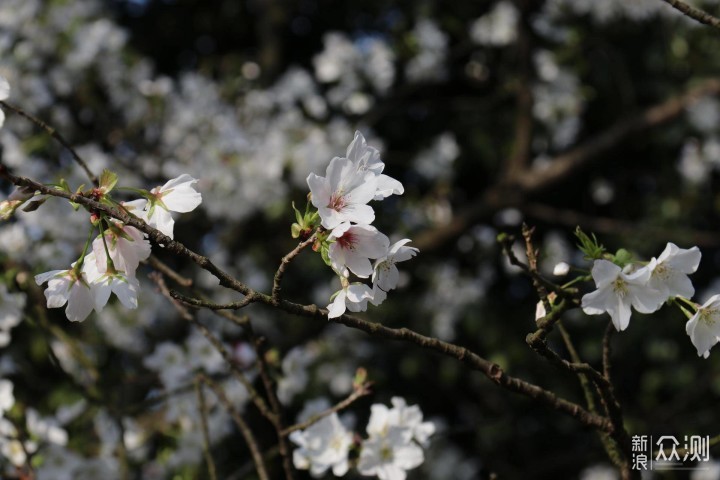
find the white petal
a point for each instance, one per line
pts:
(604, 272)
(101, 292)
(620, 314)
(337, 307)
(646, 299)
(44, 277)
(320, 190)
(596, 303)
(182, 199)
(126, 290)
(178, 181)
(163, 221)
(57, 292)
(80, 303)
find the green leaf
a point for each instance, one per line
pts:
(622, 257)
(592, 249)
(325, 254)
(108, 180)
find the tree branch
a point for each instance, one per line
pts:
(694, 13)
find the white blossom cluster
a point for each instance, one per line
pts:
(341, 198)
(647, 288)
(117, 252)
(396, 437)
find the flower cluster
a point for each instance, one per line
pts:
(646, 289)
(348, 241)
(394, 445)
(110, 265)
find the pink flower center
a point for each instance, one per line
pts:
(347, 241)
(337, 201)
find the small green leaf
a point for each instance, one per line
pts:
(295, 230)
(622, 257)
(325, 254)
(589, 246)
(108, 180)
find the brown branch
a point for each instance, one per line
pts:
(284, 263)
(242, 426)
(356, 394)
(606, 350)
(197, 302)
(694, 13)
(56, 135)
(562, 166)
(205, 431)
(475, 362)
(516, 163)
(472, 360)
(217, 344)
(612, 226)
(155, 263)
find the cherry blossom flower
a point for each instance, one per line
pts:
(177, 195)
(127, 247)
(383, 418)
(670, 275)
(324, 445)
(389, 456)
(125, 286)
(617, 292)
(68, 286)
(353, 248)
(704, 327)
(342, 195)
(354, 297)
(4, 95)
(367, 159)
(385, 273)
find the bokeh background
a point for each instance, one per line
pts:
(472, 104)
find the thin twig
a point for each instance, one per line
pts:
(241, 424)
(471, 359)
(284, 263)
(161, 267)
(205, 432)
(561, 167)
(606, 350)
(269, 385)
(694, 13)
(197, 302)
(357, 393)
(56, 135)
(217, 344)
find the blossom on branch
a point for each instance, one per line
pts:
(704, 327)
(354, 297)
(353, 248)
(385, 273)
(367, 159)
(67, 286)
(670, 275)
(126, 245)
(342, 195)
(177, 195)
(617, 292)
(323, 445)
